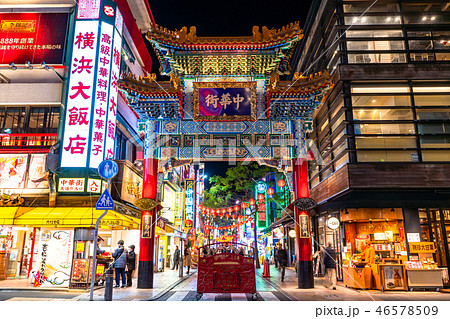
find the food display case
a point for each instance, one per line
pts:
(424, 274)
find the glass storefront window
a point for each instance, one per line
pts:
(380, 89)
(420, 44)
(433, 128)
(381, 100)
(420, 6)
(14, 119)
(338, 150)
(434, 142)
(36, 122)
(386, 156)
(443, 56)
(362, 6)
(421, 56)
(436, 156)
(341, 162)
(433, 114)
(314, 181)
(425, 18)
(375, 45)
(377, 58)
(384, 128)
(374, 34)
(385, 142)
(368, 20)
(423, 89)
(53, 122)
(382, 114)
(338, 122)
(432, 100)
(421, 34)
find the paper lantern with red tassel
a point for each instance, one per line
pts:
(236, 208)
(230, 210)
(244, 205)
(252, 202)
(261, 197)
(281, 183)
(270, 191)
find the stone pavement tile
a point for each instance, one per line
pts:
(342, 293)
(161, 281)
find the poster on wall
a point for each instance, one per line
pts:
(13, 169)
(25, 37)
(394, 277)
(131, 186)
(54, 258)
(37, 174)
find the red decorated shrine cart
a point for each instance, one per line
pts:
(221, 269)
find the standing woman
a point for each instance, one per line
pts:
(187, 259)
(131, 264)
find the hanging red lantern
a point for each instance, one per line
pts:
(281, 183)
(227, 215)
(252, 202)
(230, 210)
(233, 216)
(208, 210)
(239, 217)
(236, 208)
(261, 197)
(244, 205)
(270, 191)
(250, 219)
(224, 211)
(221, 215)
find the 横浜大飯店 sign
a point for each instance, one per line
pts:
(220, 101)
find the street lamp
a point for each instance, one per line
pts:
(252, 203)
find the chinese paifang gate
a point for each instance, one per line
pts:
(225, 100)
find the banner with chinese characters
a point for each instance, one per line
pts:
(54, 258)
(189, 200)
(25, 37)
(90, 120)
(224, 101)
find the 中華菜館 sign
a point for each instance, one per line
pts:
(225, 101)
(32, 37)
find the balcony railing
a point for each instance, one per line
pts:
(27, 140)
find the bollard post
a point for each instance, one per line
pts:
(109, 284)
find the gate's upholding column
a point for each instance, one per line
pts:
(305, 273)
(147, 242)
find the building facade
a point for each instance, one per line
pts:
(382, 133)
(41, 195)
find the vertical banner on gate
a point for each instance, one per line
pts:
(189, 201)
(90, 118)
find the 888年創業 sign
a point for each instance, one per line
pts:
(24, 37)
(91, 109)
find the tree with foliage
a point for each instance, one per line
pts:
(238, 184)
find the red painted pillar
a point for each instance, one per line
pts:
(305, 273)
(148, 221)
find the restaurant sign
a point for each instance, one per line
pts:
(189, 200)
(225, 101)
(422, 248)
(90, 119)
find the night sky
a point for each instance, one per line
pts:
(225, 18)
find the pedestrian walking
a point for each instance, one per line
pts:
(131, 264)
(275, 254)
(120, 262)
(187, 259)
(329, 261)
(176, 258)
(282, 258)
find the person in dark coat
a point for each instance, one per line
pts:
(329, 262)
(120, 262)
(176, 258)
(282, 258)
(131, 264)
(275, 255)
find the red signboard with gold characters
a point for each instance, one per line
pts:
(32, 37)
